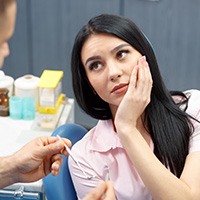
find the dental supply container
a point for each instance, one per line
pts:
(50, 91)
(6, 82)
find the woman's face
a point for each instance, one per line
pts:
(7, 24)
(108, 62)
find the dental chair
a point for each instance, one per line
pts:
(61, 187)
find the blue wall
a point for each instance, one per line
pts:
(45, 31)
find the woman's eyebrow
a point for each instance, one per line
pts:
(92, 58)
(112, 51)
(119, 47)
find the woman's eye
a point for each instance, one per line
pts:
(121, 54)
(95, 66)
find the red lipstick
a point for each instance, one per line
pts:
(121, 88)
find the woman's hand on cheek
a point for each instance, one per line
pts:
(137, 96)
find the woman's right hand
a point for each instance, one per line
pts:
(136, 98)
(103, 191)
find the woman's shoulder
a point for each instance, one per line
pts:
(193, 101)
(193, 98)
(81, 146)
(193, 95)
(194, 110)
(94, 140)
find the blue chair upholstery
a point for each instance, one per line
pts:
(61, 187)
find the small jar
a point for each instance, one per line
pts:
(4, 102)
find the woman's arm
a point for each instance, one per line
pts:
(82, 185)
(161, 183)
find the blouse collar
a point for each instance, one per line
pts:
(104, 137)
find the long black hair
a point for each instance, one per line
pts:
(170, 127)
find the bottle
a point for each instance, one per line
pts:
(4, 102)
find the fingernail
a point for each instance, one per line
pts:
(56, 166)
(143, 58)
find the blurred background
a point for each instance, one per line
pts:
(45, 32)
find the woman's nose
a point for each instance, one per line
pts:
(114, 71)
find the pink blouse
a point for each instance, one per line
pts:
(101, 153)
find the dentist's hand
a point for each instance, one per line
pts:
(104, 191)
(38, 158)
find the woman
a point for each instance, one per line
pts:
(147, 140)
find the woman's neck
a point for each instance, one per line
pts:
(140, 126)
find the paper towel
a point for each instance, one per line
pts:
(6, 82)
(26, 86)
